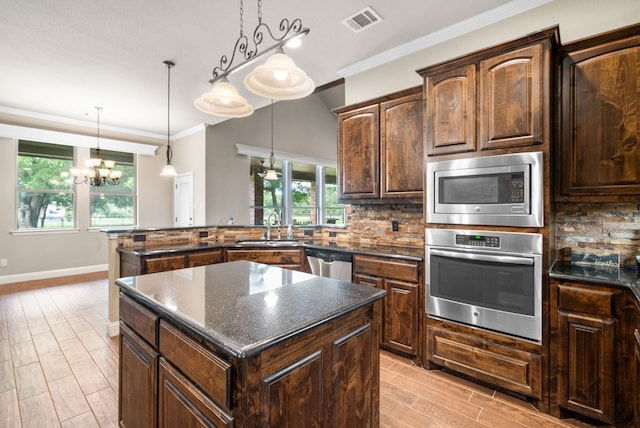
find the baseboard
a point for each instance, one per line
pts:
(113, 329)
(31, 276)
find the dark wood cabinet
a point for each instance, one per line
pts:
(636, 365)
(485, 356)
(327, 375)
(137, 406)
(291, 258)
(401, 147)
(451, 112)
(591, 352)
(359, 153)
(498, 98)
(401, 310)
(380, 149)
(599, 88)
(515, 98)
(132, 264)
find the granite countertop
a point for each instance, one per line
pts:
(620, 276)
(395, 251)
(244, 307)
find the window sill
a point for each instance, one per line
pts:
(29, 232)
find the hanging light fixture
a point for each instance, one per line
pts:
(168, 170)
(278, 78)
(97, 171)
(271, 174)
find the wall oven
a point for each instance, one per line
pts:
(502, 190)
(491, 280)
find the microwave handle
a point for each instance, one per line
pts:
(483, 257)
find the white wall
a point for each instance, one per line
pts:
(577, 19)
(305, 127)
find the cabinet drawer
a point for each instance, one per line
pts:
(202, 258)
(509, 368)
(280, 257)
(204, 368)
(389, 268)
(141, 320)
(178, 397)
(595, 301)
(161, 264)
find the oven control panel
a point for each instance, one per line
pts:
(478, 241)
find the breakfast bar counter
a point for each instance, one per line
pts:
(247, 344)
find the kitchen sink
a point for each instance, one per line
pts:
(267, 242)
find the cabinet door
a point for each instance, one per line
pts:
(636, 406)
(161, 264)
(400, 329)
(600, 124)
(401, 147)
(358, 153)
(137, 381)
(586, 364)
(181, 404)
(202, 258)
(514, 91)
(451, 111)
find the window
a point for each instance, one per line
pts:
(304, 194)
(45, 197)
(113, 205)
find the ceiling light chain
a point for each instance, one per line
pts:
(278, 78)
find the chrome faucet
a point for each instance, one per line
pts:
(272, 213)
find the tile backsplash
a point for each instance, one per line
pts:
(598, 233)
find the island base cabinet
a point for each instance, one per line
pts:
(181, 404)
(328, 377)
(138, 369)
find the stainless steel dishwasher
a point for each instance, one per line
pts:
(330, 264)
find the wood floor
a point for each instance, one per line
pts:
(58, 369)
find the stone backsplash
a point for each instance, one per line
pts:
(372, 224)
(598, 233)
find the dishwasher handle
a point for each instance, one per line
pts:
(329, 256)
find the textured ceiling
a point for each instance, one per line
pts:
(63, 57)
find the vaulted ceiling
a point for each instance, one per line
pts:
(63, 57)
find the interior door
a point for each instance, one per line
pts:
(183, 200)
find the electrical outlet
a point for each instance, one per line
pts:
(308, 232)
(3, 262)
(394, 225)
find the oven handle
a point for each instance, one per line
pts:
(483, 257)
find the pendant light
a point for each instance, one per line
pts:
(168, 170)
(279, 78)
(271, 173)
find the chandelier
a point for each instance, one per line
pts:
(278, 78)
(97, 171)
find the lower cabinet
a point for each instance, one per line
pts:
(636, 377)
(591, 352)
(132, 264)
(486, 357)
(326, 376)
(291, 258)
(402, 307)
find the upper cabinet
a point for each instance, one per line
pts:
(498, 98)
(599, 91)
(380, 146)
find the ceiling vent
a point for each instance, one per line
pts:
(366, 18)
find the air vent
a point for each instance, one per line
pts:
(366, 18)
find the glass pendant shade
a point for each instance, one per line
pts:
(168, 171)
(280, 79)
(271, 175)
(224, 100)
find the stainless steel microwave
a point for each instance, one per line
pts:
(503, 190)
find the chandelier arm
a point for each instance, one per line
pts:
(289, 31)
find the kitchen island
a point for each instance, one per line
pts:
(245, 344)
